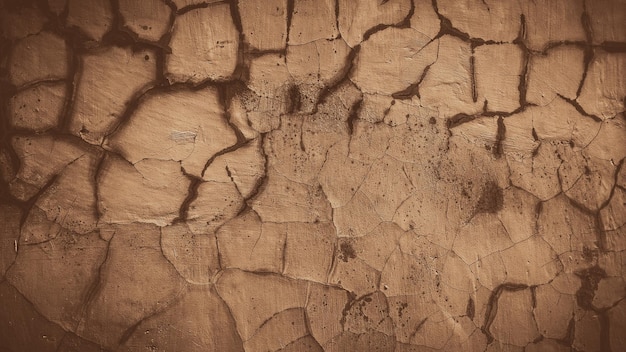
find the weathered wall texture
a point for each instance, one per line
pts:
(308, 175)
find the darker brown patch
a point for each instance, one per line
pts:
(498, 150)
(347, 252)
(470, 310)
(590, 278)
(295, 99)
(491, 200)
(589, 254)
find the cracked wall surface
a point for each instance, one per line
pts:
(312, 175)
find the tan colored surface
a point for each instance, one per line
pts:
(312, 175)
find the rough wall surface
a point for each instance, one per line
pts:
(312, 175)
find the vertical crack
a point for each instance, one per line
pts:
(354, 115)
(473, 75)
(192, 194)
(241, 70)
(74, 65)
(337, 9)
(492, 307)
(521, 42)
(94, 288)
(96, 183)
(470, 309)
(30, 203)
(585, 20)
(498, 149)
(290, 8)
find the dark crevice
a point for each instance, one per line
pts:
(262, 181)
(534, 134)
(172, 5)
(30, 203)
(589, 51)
(290, 8)
(590, 278)
(188, 8)
(96, 285)
(579, 206)
(470, 309)
(598, 225)
(589, 284)
(579, 108)
(473, 76)
(492, 306)
(556, 44)
(31, 85)
(283, 256)
(533, 297)
(301, 139)
(350, 302)
(337, 17)
(131, 106)
(192, 194)
(463, 118)
(404, 23)
(160, 58)
(500, 135)
(241, 69)
(226, 92)
(74, 73)
(343, 77)
(587, 58)
(459, 119)
(236, 16)
(128, 333)
(374, 30)
(96, 181)
(447, 28)
(523, 79)
(354, 115)
(253, 53)
(118, 34)
(413, 89)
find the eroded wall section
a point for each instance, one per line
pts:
(300, 175)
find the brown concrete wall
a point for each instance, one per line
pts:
(312, 175)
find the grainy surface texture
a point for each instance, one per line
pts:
(312, 175)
